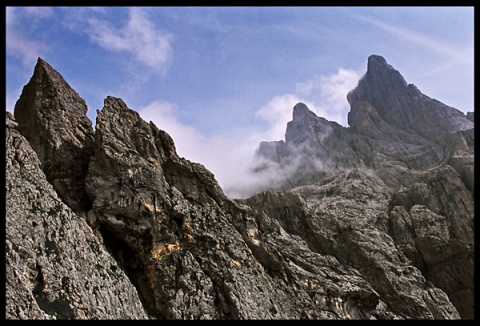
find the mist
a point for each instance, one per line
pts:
(231, 156)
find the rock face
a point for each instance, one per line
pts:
(423, 151)
(52, 117)
(371, 223)
(55, 267)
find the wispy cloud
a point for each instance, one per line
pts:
(164, 115)
(230, 156)
(139, 37)
(329, 93)
(325, 95)
(38, 12)
(276, 113)
(456, 54)
(227, 156)
(18, 45)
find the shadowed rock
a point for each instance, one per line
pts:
(422, 149)
(56, 268)
(52, 117)
(374, 221)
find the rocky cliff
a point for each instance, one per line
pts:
(374, 221)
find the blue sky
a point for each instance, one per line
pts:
(221, 79)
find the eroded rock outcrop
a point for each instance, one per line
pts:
(55, 267)
(393, 129)
(345, 218)
(52, 117)
(355, 233)
(422, 149)
(191, 251)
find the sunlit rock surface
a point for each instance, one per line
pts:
(56, 268)
(374, 221)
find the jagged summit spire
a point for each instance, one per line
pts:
(46, 82)
(374, 60)
(379, 70)
(40, 60)
(53, 118)
(300, 106)
(299, 110)
(391, 99)
(43, 72)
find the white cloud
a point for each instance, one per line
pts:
(277, 112)
(229, 156)
(27, 50)
(163, 114)
(325, 95)
(226, 156)
(140, 37)
(329, 93)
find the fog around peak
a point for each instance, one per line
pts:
(230, 156)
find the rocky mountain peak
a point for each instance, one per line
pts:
(388, 117)
(384, 100)
(300, 110)
(52, 117)
(379, 69)
(395, 132)
(305, 125)
(113, 103)
(374, 221)
(379, 76)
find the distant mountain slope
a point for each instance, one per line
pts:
(393, 129)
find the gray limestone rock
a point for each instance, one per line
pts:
(374, 221)
(471, 116)
(191, 251)
(52, 117)
(56, 268)
(345, 218)
(423, 151)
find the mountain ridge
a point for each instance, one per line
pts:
(373, 221)
(384, 116)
